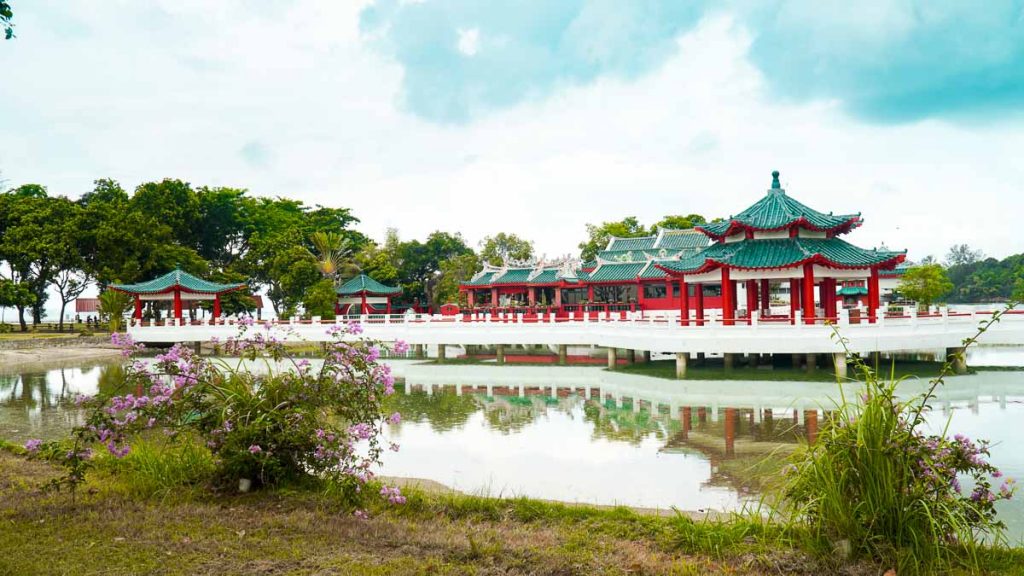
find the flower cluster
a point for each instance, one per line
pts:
(293, 419)
(392, 494)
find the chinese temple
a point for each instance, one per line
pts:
(775, 252)
(364, 295)
(176, 287)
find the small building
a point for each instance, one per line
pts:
(175, 288)
(364, 295)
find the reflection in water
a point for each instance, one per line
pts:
(585, 434)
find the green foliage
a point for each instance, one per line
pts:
(292, 272)
(678, 222)
(331, 251)
(962, 255)
(497, 249)
(924, 284)
(874, 482)
(6, 15)
(15, 294)
(455, 271)
(112, 308)
(988, 280)
(598, 236)
(419, 264)
(320, 298)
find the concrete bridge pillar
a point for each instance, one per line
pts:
(418, 351)
(839, 359)
(729, 360)
(700, 358)
(612, 359)
(499, 352)
(959, 359)
(812, 362)
(630, 356)
(643, 357)
(682, 359)
(441, 353)
(563, 354)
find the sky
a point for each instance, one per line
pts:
(536, 117)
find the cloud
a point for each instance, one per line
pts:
(884, 62)
(255, 153)
(462, 58)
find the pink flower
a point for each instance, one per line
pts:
(400, 347)
(361, 514)
(32, 446)
(395, 418)
(255, 449)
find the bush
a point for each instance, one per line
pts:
(876, 485)
(269, 426)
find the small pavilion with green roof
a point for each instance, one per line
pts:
(367, 294)
(779, 239)
(176, 286)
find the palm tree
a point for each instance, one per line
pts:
(113, 306)
(332, 252)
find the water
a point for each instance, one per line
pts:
(582, 434)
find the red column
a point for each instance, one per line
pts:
(751, 299)
(558, 297)
(216, 306)
(388, 310)
(494, 297)
(728, 298)
(684, 303)
(470, 298)
(730, 431)
(685, 418)
(531, 296)
(177, 304)
(874, 298)
(765, 300)
(138, 307)
(362, 306)
(698, 291)
(830, 293)
(808, 295)
(640, 295)
(794, 298)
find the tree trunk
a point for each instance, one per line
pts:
(60, 322)
(21, 318)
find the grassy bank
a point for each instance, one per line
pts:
(148, 514)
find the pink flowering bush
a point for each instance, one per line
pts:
(266, 416)
(877, 485)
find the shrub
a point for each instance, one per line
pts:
(875, 484)
(286, 422)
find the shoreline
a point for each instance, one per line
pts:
(50, 356)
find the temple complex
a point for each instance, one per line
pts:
(777, 259)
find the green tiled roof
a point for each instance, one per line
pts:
(364, 283)
(177, 277)
(777, 211)
(783, 253)
(616, 272)
(482, 280)
(512, 276)
(653, 271)
(683, 239)
(546, 276)
(640, 243)
(852, 291)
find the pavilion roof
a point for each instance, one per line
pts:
(852, 291)
(783, 253)
(682, 240)
(638, 243)
(364, 284)
(609, 272)
(778, 211)
(180, 279)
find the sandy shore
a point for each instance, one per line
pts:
(51, 356)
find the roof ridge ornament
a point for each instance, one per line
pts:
(775, 180)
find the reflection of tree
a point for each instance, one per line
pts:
(511, 413)
(626, 425)
(111, 379)
(442, 410)
(29, 390)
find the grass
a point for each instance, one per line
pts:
(37, 335)
(151, 514)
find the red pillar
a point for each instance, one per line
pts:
(388, 310)
(765, 300)
(558, 297)
(830, 293)
(751, 299)
(362, 303)
(874, 298)
(808, 295)
(728, 298)
(216, 306)
(531, 295)
(470, 298)
(640, 295)
(177, 304)
(494, 297)
(138, 307)
(794, 299)
(698, 291)
(684, 303)
(730, 431)
(685, 418)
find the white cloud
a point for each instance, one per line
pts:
(469, 41)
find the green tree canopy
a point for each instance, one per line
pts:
(599, 235)
(925, 284)
(502, 246)
(678, 222)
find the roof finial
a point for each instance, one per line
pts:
(775, 180)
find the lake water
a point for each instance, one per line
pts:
(583, 434)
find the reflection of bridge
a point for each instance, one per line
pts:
(693, 403)
(890, 334)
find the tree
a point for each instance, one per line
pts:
(420, 263)
(925, 284)
(497, 249)
(598, 236)
(320, 298)
(961, 255)
(112, 308)
(454, 271)
(172, 203)
(292, 272)
(678, 222)
(331, 251)
(6, 15)
(16, 295)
